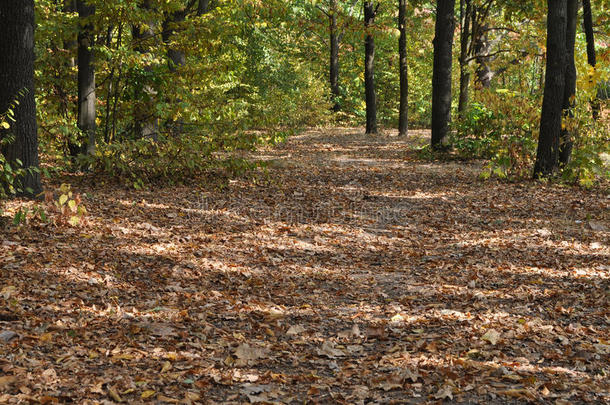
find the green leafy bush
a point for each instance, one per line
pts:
(500, 126)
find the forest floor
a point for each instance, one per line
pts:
(354, 272)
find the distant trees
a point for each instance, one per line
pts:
(17, 85)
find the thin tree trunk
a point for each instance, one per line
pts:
(86, 77)
(334, 55)
(403, 119)
(569, 92)
(482, 49)
(441, 72)
(587, 16)
(146, 123)
(547, 153)
(464, 71)
(17, 83)
(370, 11)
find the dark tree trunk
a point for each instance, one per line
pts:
(441, 72)
(17, 77)
(465, 11)
(403, 119)
(86, 77)
(203, 7)
(370, 11)
(334, 55)
(176, 57)
(587, 16)
(547, 153)
(569, 92)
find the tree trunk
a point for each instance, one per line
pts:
(403, 120)
(482, 50)
(464, 40)
(17, 83)
(86, 77)
(146, 123)
(587, 16)
(370, 12)
(569, 92)
(550, 119)
(334, 55)
(441, 72)
(203, 7)
(176, 57)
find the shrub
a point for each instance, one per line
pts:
(501, 126)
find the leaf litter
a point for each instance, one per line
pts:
(352, 272)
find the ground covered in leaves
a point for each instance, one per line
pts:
(353, 272)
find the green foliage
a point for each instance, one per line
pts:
(591, 156)
(500, 126)
(25, 214)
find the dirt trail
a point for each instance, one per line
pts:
(352, 273)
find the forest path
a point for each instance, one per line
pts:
(352, 273)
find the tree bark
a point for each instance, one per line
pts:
(175, 57)
(569, 92)
(86, 77)
(587, 16)
(441, 72)
(550, 119)
(370, 11)
(464, 42)
(203, 7)
(403, 119)
(146, 123)
(17, 77)
(334, 55)
(482, 50)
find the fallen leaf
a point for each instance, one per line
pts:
(112, 393)
(328, 350)
(7, 335)
(295, 330)
(445, 392)
(492, 336)
(147, 394)
(6, 381)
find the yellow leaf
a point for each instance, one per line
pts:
(147, 394)
(63, 199)
(5, 125)
(166, 367)
(114, 395)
